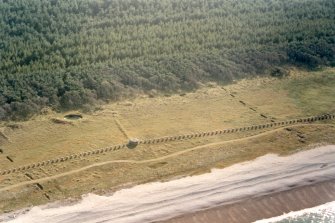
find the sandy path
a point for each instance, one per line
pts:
(157, 201)
(146, 161)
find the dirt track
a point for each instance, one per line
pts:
(294, 182)
(149, 160)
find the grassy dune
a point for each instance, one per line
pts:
(314, 93)
(247, 102)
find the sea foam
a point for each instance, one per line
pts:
(322, 213)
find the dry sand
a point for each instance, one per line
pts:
(304, 175)
(264, 207)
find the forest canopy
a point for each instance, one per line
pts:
(73, 54)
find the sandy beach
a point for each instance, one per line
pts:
(265, 187)
(266, 206)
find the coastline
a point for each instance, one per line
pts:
(263, 207)
(248, 186)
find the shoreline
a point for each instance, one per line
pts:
(208, 195)
(263, 207)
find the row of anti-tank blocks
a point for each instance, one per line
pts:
(134, 142)
(248, 128)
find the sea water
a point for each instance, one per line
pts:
(323, 213)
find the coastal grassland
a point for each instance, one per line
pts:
(315, 92)
(110, 177)
(264, 95)
(41, 139)
(302, 93)
(211, 107)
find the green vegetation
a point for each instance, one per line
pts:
(314, 94)
(74, 54)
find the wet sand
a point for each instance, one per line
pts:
(267, 206)
(264, 187)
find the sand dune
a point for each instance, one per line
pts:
(158, 201)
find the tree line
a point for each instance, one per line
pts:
(75, 54)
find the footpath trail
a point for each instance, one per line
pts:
(25, 183)
(175, 138)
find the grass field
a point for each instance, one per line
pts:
(314, 93)
(243, 103)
